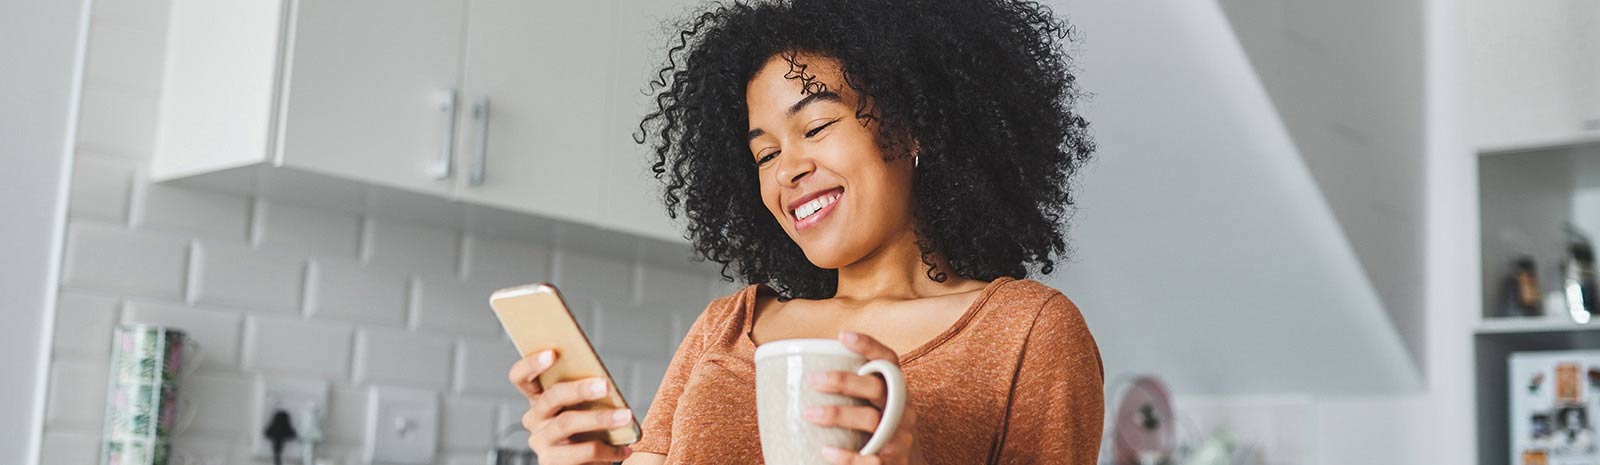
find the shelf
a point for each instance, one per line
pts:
(1543, 324)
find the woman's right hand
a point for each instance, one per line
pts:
(550, 426)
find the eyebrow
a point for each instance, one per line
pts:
(814, 97)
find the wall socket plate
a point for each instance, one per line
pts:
(293, 395)
(402, 426)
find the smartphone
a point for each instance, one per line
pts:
(537, 319)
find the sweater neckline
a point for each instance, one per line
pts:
(748, 311)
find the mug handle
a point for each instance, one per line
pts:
(892, 408)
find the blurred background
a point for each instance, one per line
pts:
(1316, 232)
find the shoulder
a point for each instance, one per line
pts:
(726, 311)
(1051, 318)
(1029, 299)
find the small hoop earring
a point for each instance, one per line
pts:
(916, 161)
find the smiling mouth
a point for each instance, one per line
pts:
(813, 211)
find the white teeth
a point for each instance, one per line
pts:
(811, 207)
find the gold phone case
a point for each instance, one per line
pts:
(537, 318)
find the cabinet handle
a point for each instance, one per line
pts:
(441, 165)
(480, 112)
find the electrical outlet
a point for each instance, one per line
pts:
(292, 395)
(402, 425)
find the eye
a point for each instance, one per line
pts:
(818, 129)
(766, 158)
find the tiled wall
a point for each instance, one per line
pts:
(277, 290)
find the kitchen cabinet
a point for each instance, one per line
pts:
(535, 83)
(1530, 72)
(524, 106)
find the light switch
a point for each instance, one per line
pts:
(402, 426)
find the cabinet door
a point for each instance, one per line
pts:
(365, 83)
(1530, 72)
(642, 33)
(541, 67)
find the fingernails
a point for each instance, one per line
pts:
(831, 453)
(597, 389)
(817, 379)
(627, 450)
(621, 417)
(813, 413)
(849, 337)
(546, 357)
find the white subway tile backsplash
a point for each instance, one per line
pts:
(148, 16)
(481, 368)
(128, 57)
(100, 188)
(114, 258)
(661, 288)
(117, 121)
(509, 417)
(402, 357)
(83, 325)
(348, 291)
(412, 247)
(236, 276)
(468, 424)
(506, 263)
(632, 330)
(318, 232)
(70, 448)
(346, 422)
(218, 399)
(451, 306)
(646, 380)
(77, 395)
(205, 214)
(216, 331)
(588, 276)
(296, 347)
(719, 287)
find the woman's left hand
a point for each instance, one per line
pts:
(902, 448)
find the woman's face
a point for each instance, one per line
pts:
(824, 176)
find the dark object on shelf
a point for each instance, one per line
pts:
(1520, 293)
(1578, 277)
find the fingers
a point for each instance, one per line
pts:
(585, 452)
(845, 457)
(856, 417)
(567, 394)
(868, 347)
(573, 422)
(867, 387)
(525, 372)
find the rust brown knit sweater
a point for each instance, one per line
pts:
(1016, 380)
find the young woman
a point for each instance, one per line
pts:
(886, 173)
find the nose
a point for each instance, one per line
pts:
(793, 165)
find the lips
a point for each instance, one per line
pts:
(812, 208)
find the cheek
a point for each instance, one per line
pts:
(769, 197)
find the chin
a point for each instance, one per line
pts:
(827, 254)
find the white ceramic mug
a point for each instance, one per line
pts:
(783, 395)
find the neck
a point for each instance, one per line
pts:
(896, 271)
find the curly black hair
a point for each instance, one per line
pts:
(984, 88)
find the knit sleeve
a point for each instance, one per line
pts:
(657, 427)
(1056, 409)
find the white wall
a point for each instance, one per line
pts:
(275, 289)
(1353, 102)
(1384, 158)
(37, 98)
(1204, 249)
